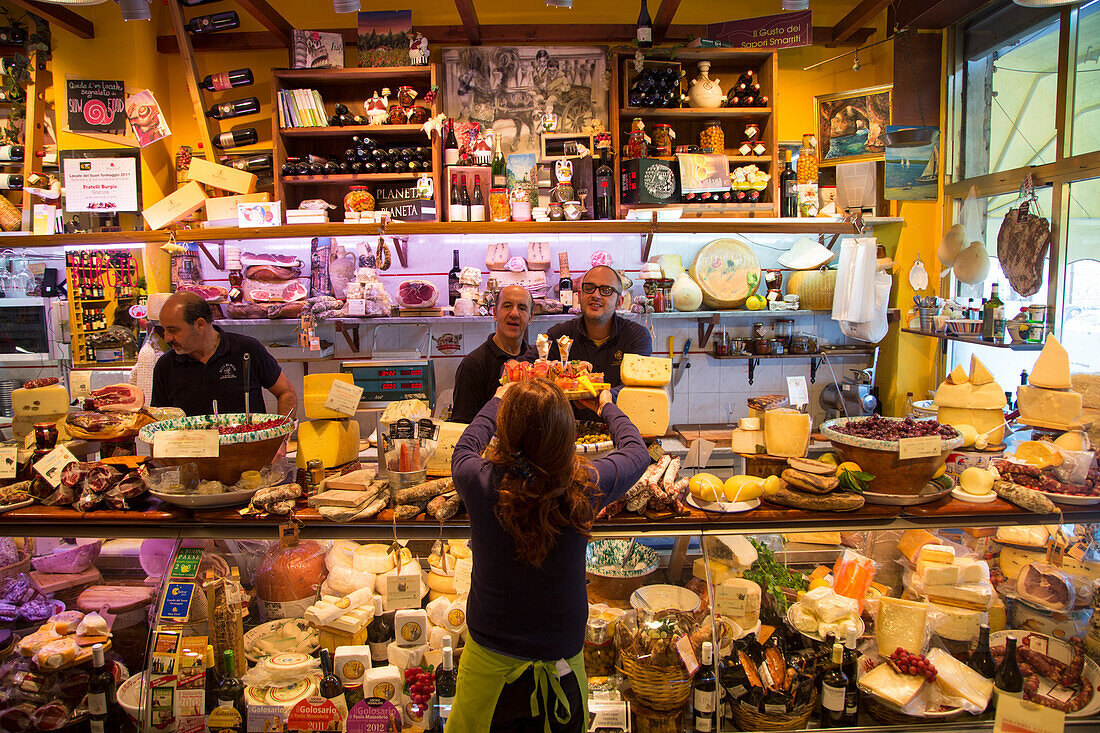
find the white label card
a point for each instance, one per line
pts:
(1015, 715)
(730, 601)
(608, 714)
(80, 384)
(50, 466)
(464, 569)
(357, 306)
(9, 460)
(344, 398)
(798, 392)
(699, 453)
(687, 654)
(402, 591)
(926, 447)
(186, 444)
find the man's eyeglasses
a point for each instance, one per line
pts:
(605, 290)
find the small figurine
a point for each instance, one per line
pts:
(377, 108)
(483, 150)
(549, 119)
(418, 49)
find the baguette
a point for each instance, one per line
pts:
(809, 465)
(809, 483)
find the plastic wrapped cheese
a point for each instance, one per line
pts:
(803, 620)
(455, 619)
(437, 610)
(884, 683)
(342, 553)
(956, 680)
(343, 580)
(902, 624)
(404, 657)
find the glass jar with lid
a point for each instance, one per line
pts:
(662, 138)
(783, 329)
(359, 198)
(806, 170)
(405, 96)
(712, 136)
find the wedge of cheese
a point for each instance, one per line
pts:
(645, 371)
(315, 389)
(747, 441)
(955, 679)
(41, 404)
(959, 624)
(937, 553)
(902, 624)
(647, 408)
(1051, 370)
(718, 571)
(883, 682)
(930, 572)
(974, 400)
(333, 442)
(1049, 406)
(912, 540)
(978, 596)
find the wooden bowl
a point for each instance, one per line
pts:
(880, 459)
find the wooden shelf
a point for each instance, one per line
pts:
(349, 178)
(706, 211)
(752, 113)
(376, 130)
(815, 358)
(331, 77)
(765, 159)
(945, 337)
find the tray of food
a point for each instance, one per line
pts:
(1056, 673)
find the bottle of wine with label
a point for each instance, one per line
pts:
(213, 23)
(227, 80)
(236, 108)
(236, 138)
(644, 32)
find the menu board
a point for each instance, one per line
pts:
(96, 105)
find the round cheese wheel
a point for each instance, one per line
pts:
(436, 595)
(373, 559)
(437, 608)
(343, 580)
(727, 271)
(455, 620)
(342, 553)
(441, 583)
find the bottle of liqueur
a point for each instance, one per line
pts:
(236, 138)
(788, 188)
(452, 280)
(704, 696)
(477, 202)
(450, 145)
(236, 108)
(603, 186)
(212, 23)
(379, 636)
(644, 32)
(565, 284)
(227, 80)
(446, 684)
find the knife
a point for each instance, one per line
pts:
(678, 368)
(247, 388)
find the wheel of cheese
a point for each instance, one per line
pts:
(342, 553)
(727, 271)
(374, 559)
(814, 289)
(441, 583)
(434, 595)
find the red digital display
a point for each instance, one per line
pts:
(387, 373)
(413, 385)
(389, 385)
(410, 372)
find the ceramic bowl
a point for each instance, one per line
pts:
(607, 578)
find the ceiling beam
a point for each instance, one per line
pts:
(598, 33)
(469, 21)
(269, 18)
(61, 17)
(664, 19)
(931, 14)
(854, 20)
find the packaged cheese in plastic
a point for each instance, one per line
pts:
(852, 576)
(958, 685)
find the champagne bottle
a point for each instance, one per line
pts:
(452, 280)
(215, 22)
(788, 188)
(477, 202)
(101, 694)
(236, 108)
(446, 683)
(236, 138)
(1008, 679)
(450, 145)
(704, 696)
(565, 284)
(834, 687)
(227, 80)
(644, 32)
(500, 175)
(379, 636)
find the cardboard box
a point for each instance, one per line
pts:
(470, 172)
(183, 202)
(221, 176)
(649, 181)
(410, 209)
(225, 207)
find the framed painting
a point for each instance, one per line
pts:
(851, 125)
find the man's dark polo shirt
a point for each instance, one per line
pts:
(478, 377)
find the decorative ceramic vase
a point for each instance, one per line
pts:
(704, 91)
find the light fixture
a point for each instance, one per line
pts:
(1046, 3)
(74, 2)
(346, 6)
(559, 3)
(796, 4)
(135, 9)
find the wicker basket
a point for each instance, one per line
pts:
(20, 566)
(748, 719)
(10, 218)
(659, 688)
(889, 714)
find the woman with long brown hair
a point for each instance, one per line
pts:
(531, 501)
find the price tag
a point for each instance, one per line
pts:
(925, 447)
(402, 591)
(9, 460)
(798, 393)
(730, 601)
(608, 714)
(186, 444)
(1039, 645)
(357, 307)
(464, 569)
(687, 654)
(1077, 552)
(80, 384)
(1015, 715)
(699, 453)
(177, 602)
(344, 398)
(50, 467)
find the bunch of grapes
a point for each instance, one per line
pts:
(914, 664)
(419, 687)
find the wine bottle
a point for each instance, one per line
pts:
(379, 636)
(236, 108)
(11, 153)
(236, 138)
(851, 670)
(788, 188)
(500, 175)
(477, 202)
(1008, 679)
(450, 145)
(446, 684)
(834, 687)
(452, 280)
(464, 199)
(253, 163)
(603, 186)
(227, 80)
(704, 696)
(565, 284)
(330, 687)
(101, 694)
(644, 32)
(455, 211)
(981, 659)
(747, 78)
(11, 182)
(230, 713)
(215, 22)
(211, 681)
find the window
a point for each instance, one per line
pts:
(1081, 315)
(1086, 100)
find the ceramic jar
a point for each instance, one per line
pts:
(704, 91)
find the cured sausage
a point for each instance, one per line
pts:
(41, 382)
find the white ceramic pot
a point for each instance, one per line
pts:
(704, 91)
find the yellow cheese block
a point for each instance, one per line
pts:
(645, 371)
(937, 553)
(989, 421)
(787, 432)
(747, 441)
(647, 408)
(333, 442)
(978, 373)
(912, 540)
(1051, 370)
(900, 624)
(43, 404)
(883, 682)
(1049, 406)
(1013, 560)
(958, 680)
(718, 571)
(315, 389)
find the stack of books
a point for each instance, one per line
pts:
(301, 108)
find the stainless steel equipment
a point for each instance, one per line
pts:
(853, 397)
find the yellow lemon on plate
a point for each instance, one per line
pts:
(743, 488)
(828, 458)
(940, 471)
(772, 485)
(705, 487)
(848, 466)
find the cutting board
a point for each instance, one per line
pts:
(50, 583)
(341, 498)
(117, 598)
(354, 481)
(719, 434)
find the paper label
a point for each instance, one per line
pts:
(1015, 715)
(374, 715)
(402, 591)
(357, 306)
(1077, 552)
(928, 446)
(177, 602)
(314, 714)
(798, 393)
(730, 601)
(1038, 644)
(699, 453)
(50, 467)
(9, 460)
(186, 444)
(608, 714)
(186, 564)
(344, 398)
(464, 569)
(265, 718)
(80, 384)
(687, 654)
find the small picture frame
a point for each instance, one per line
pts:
(851, 126)
(260, 214)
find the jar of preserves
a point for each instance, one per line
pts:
(359, 198)
(662, 138)
(806, 170)
(405, 96)
(397, 115)
(599, 649)
(556, 211)
(499, 210)
(418, 115)
(636, 145)
(712, 136)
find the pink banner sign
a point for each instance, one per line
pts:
(786, 30)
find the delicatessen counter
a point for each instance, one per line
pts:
(786, 576)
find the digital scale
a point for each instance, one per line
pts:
(386, 381)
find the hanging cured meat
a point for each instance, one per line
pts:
(1021, 247)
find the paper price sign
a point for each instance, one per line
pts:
(797, 391)
(402, 591)
(186, 444)
(699, 453)
(344, 398)
(730, 601)
(80, 384)
(9, 460)
(50, 467)
(928, 446)
(1015, 715)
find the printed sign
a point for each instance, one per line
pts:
(787, 30)
(100, 185)
(186, 444)
(186, 565)
(797, 391)
(729, 601)
(9, 460)
(313, 714)
(1020, 716)
(374, 715)
(924, 447)
(95, 105)
(402, 591)
(344, 397)
(146, 118)
(50, 467)
(177, 601)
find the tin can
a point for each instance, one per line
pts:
(316, 470)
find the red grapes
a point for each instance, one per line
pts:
(885, 428)
(913, 664)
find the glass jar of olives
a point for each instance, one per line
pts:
(712, 136)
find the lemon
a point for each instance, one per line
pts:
(743, 488)
(819, 583)
(756, 303)
(828, 458)
(705, 486)
(940, 471)
(772, 485)
(848, 466)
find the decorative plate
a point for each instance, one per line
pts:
(274, 629)
(604, 557)
(206, 501)
(1071, 499)
(281, 427)
(961, 495)
(723, 507)
(931, 492)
